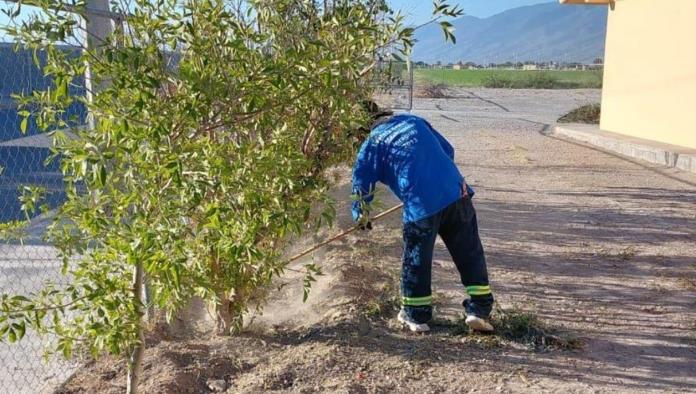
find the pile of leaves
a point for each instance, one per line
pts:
(528, 329)
(438, 90)
(515, 325)
(588, 114)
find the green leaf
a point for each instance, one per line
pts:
(23, 125)
(448, 30)
(11, 335)
(174, 270)
(102, 175)
(21, 330)
(62, 89)
(397, 57)
(67, 350)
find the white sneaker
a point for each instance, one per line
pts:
(412, 325)
(478, 324)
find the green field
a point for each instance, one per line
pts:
(511, 78)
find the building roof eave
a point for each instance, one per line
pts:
(588, 2)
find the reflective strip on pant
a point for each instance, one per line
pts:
(417, 301)
(478, 290)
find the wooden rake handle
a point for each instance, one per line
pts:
(341, 235)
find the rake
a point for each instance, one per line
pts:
(341, 235)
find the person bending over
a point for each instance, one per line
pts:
(417, 163)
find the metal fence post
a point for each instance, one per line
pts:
(97, 29)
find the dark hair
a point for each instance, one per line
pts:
(377, 115)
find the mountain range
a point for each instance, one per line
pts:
(542, 32)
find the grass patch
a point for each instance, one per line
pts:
(512, 79)
(455, 327)
(497, 81)
(538, 80)
(384, 303)
(626, 254)
(517, 326)
(588, 114)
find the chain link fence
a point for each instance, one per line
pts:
(393, 85)
(25, 266)
(24, 162)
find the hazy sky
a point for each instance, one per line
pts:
(420, 10)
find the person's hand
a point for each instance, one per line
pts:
(465, 190)
(364, 223)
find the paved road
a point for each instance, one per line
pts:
(23, 269)
(586, 239)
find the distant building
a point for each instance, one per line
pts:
(456, 67)
(530, 67)
(640, 100)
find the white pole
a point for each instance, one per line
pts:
(98, 25)
(97, 29)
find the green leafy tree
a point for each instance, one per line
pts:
(212, 124)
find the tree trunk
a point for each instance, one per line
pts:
(224, 316)
(149, 317)
(135, 361)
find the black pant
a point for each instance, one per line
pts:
(457, 226)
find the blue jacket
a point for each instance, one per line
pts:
(417, 163)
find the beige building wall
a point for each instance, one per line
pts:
(650, 71)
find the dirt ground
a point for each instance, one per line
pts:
(601, 249)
